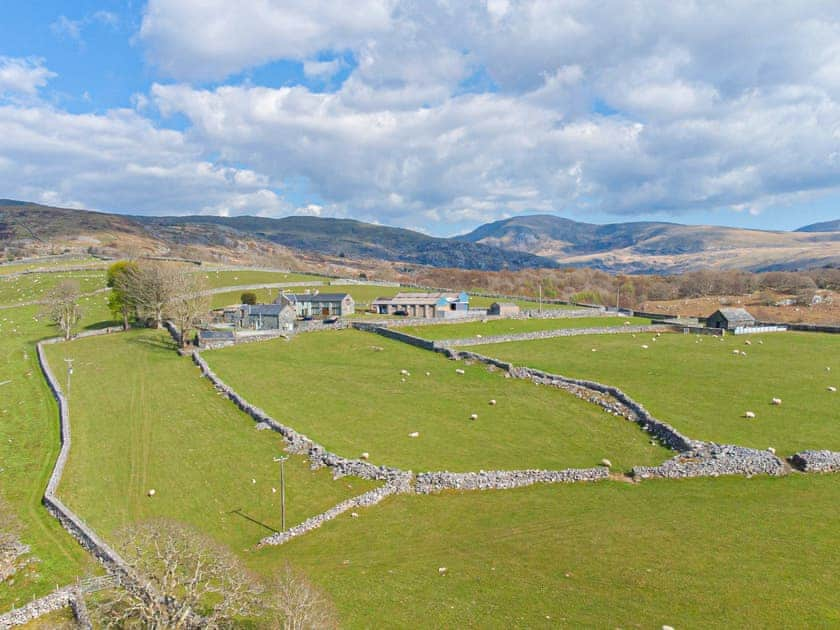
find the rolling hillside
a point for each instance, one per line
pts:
(825, 226)
(645, 247)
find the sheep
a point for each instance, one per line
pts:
(772, 450)
(760, 342)
(404, 372)
(414, 434)
(365, 455)
(606, 463)
(645, 347)
(473, 416)
(492, 401)
(747, 342)
(354, 514)
(459, 371)
(743, 354)
(749, 415)
(831, 388)
(152, 492)
(736, 352)
(441, 570)
(253, 481)
(776, 401)
(428, 373)
(594, 350)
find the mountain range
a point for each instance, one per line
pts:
(536, 241)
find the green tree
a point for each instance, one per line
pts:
(249, 297)
(119, 302)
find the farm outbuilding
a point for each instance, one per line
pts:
(730, 319)
(503, 309)
(424, 305)
(318, 304)
(266, 316)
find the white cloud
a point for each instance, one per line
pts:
(321, 69)
(120, 161)
(73, 29)
(23, 76)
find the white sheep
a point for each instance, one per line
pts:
(743, 354)
(404, 372)
(606, 463)
(749, 415)
(428, 373)
(364, 455)
(492, 401)
(473, 416)
(831, 388)
(414, 434)
(459, 371)
(441, 570)
(772, 450)
(736, 352)
(594, 350)
(354, 514)
(645, 347)
(776, 401)
(151, 492)
(747, 342)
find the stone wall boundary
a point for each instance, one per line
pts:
(432, 482)
(549, 334)
(61, 598)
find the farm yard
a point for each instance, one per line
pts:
(704, 385)
(346, 390)
(493, 327)
(685, 553)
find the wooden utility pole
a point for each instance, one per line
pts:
(282, 459)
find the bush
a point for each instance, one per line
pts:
(249, 297)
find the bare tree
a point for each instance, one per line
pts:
(149, 287)
(12, 550)
(62, 306)
(192, 581)
(297, 604)
(187, 306)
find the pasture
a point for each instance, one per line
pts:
(465, 330)
(703, 386)
(702, 553)
(51, 264)
(219, 279)
(32, 287)
(29, 443)
(143, 418)
(344, 389)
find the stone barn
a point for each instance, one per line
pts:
(266, 317)
(730, 319)
(309, 305)
(424, 305)
(503, 309)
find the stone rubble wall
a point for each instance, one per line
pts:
(564, 313)
(816, 461)
(56, 600)
(400, 485)
(549, 334)
(713, 460)
(430, 482)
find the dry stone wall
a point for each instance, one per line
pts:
(427, 483)
(549, 334)
(713, 460)
(817, 461)
(54, 601)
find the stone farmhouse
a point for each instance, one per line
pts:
(730, 319)
(424, 305)
(262, 316)
(307, 305)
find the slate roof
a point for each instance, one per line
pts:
(418, 298)
(265, 309)
(733, 315)
(316, 297)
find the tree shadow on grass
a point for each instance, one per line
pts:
(157, 342)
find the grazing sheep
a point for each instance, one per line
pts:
(492, 401)
(354, 514)
(459, 371)
(253, 481)
(747, 342)
(274, 491)
(606, 463)
(441, 570)
(776, 401)
(404, 372)
(478, 336)
(364, 455)
(749, 415)
(736, 352)
(772, 450)
(594, 350)
(645, 347)
(151, 492)
(473, 416)
(428, 373)
(743, 354)
(831, 388)
(760, 342)
(828, 369)
(414, 434)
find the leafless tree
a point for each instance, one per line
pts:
(193, 582)
(62, 306)
(12, 550)
(187, 307)
(149, 287)
(297, 604)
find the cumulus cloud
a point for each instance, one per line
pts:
(119, 161)
(23, 76)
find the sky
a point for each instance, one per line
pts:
(436, 115)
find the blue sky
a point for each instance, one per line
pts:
(436, 116)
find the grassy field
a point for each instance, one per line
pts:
(50, 264)
(706, 553)
(29, 443)
(344, 389)
(703, 389)
(33, 287)
(218, 279)
(143, 418)
(465, 330)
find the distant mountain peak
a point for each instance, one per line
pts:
(824, 226)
